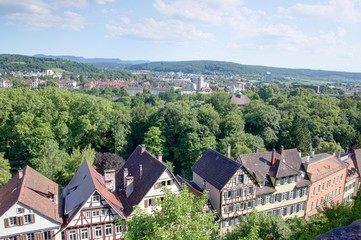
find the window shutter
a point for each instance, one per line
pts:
(20, 221)
(32, 218)
(37, 236)
(244, 178)
(146, 203)
(6, 222)
(52, 234)
(225, 195)
(41, 236)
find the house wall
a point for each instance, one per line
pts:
(92, 215)
(321, 192)
(40, 224)
(214, 195)
(350, 189)
(166, 179)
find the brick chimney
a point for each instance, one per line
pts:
(273, 157)
(229, 150)
(160, 157)
(109, 177)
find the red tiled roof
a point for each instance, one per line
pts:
(240, 100)
(34, 191)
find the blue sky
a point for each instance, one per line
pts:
(322, 34)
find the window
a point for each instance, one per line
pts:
(27, 219)
(259, 200)
(240, 192)
(47, 235)
(108, 229)
(225, 209)
(20, 210)
(240, 179)
(84, 233)
(251, 190)
(268, 198)
(118, 228)
(98, 231)
(277, 182)
(341, 177)
(103, 212)
(170, 182)
(96, 213)
(290, 195)
(87, 214)
(225, 223)
(72, 235)
(319, 188)
(11, 238)
(314, 191)
(323, 186)
(30, 236)
(317, 203)
(96, 198)
(12, 221)
(311, 205)
(238, 207)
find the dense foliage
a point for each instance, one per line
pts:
(182, 127)
(177, 216)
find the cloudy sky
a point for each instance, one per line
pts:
(318, 34)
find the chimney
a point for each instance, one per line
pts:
(160, 157)
(257, 150)
(346, 149)
(20, 171)
(229, 150)
(273, 157)
(142, 149)
(109, 177)
(282, 151)
(140, 170)
(339, 155)
(125, 177)
(313, 153)
(308, 159)
(300, 153)
(129, 185)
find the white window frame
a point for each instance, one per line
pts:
(98, 231)
(96, 213)
(72, 235)
(118, 228)
(13, 221)
(108, 230)
(84, 233)
(96, 198)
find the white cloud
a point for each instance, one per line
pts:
(167, 30)
(342, 11)
(38, 15)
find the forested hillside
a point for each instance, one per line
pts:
(12, 62)
(182, 127)
(207, 67)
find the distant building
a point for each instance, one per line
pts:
(240, 100)
(30, 207)
(5, 83)
(267, 77)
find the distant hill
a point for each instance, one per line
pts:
(93, 60)
(13, 62)
(207, 67)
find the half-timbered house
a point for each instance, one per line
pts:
(91, 209)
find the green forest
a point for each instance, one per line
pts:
(181, 127)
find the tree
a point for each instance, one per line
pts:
(108, 161)
(50, 161)
(329, 147)
(5, 174)
(300, 135)
(177, 216)
(154, 140)
(262, 227)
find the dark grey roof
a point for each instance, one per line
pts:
(152, 169)
(216, 168)
(356, 156)
(259, 164)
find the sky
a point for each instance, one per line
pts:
(323, 34)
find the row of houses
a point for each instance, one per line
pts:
(36, 82)
(91, 205)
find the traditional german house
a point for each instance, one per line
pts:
(139, 182)
(91, 209)
(328, 176)
(282, 181)
(30, 207)
(232, 189)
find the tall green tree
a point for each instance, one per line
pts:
(300, 135)
(179, 216)
(5, 174)
(154, 140)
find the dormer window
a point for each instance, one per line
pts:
(96, 198)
